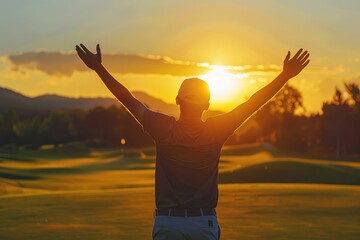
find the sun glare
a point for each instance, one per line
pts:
(223, 84)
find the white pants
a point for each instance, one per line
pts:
(180, 228)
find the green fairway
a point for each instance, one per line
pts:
(75, 192)
(246, 211)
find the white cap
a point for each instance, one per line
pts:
(195, 91)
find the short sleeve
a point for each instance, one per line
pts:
(157, 125)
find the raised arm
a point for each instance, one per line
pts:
(292, 67)
(93, 61)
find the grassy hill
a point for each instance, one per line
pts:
(74, 192)
(77, 167)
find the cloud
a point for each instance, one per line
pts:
(57, 63)
(354, 60)
(65, 64)
(353, 79)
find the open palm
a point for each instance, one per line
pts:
(91, 60)
(296, 64)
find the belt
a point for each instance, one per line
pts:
(185, 212)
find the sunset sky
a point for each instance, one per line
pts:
(151, 46)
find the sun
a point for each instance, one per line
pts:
(223, 84)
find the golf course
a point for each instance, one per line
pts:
(75, 192)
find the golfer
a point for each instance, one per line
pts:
(188, 149)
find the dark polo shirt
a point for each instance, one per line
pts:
(187, 158)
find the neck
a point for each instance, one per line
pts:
(190, 118)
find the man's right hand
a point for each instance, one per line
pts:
(91, 60)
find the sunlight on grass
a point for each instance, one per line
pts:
(246, 211)
(109, 194)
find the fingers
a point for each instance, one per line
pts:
(80, 52)
(287, 57)
(98, 49)
(305, 64)
(78, 49)
(304, 58)
(98, 52)
(297, 54)
(84, 48)
(302, 55)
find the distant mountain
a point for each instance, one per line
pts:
(13, 100)
(55, 101)
(157, 104)
(10, 99)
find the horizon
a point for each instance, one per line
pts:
(241, 43)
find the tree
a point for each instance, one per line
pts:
(55, 128)
(335, 123)
(77, 127)
(338, 98)
(8, 133)
(288, 100)
(105, 124)
(27, 131)
(353, 90)
(278, 123)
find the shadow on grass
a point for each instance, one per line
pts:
(293, 172)
(128, 163)
(18, 176)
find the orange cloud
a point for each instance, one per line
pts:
(65, 64)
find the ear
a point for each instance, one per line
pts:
(177, 101)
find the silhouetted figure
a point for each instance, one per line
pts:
(188, 149)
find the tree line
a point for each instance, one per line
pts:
(97, 127)
(336, 130)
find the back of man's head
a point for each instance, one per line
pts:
(194, 92)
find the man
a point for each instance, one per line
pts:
(188, 149)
